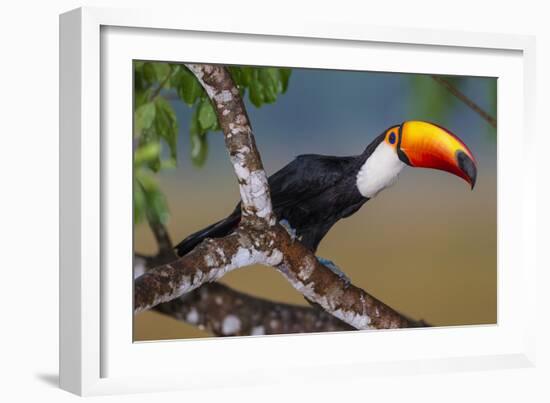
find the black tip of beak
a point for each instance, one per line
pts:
(467, 166)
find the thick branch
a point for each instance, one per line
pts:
(223, 311)
(471, 104)
(239, 140)
(226, 312)
(345, 301)
(322, 286)
(209, 261)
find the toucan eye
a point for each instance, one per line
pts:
(391, 138)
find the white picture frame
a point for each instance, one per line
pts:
(97, 356)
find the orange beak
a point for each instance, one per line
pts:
(423, 144)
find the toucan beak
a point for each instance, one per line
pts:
(423, 144)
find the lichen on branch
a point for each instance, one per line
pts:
(225, 312)
(208, 262)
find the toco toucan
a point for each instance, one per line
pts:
(313, 192)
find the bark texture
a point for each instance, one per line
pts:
(222, 311)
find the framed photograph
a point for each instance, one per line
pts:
(242, 198)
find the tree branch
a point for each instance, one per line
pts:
(471, 104)
(226, 312)
(239, 140)
(208, 262)
(258, 239)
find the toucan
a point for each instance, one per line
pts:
(311, 193)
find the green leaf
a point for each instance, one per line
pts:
(145, 180)
(140, 84)
(149, 73)
(188, 88)
(199, 143)
(236, 74)
(147, 153)
(162, 70)
(256, 93)
(157, 207)
(269, 76)
(144, 117)
(195, 127)
(141, 97)
(284, 74)
(264, 83)
(174, 75)
(166, 124)
(247, 75)
(199, 148)
(152, 201)
(207, 115)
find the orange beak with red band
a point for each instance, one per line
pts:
(425, 145)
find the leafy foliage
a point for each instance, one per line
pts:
(156, 126)
(264, 84)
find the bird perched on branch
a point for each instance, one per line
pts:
(313, 192)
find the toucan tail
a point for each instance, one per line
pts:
(216, 230)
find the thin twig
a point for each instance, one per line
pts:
(471, 104)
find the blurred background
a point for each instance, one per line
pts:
(426, 246)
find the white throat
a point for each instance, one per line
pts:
(380, 171)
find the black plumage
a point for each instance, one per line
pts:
(312, 193)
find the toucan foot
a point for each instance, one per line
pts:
(335, 269)
(291, 231)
